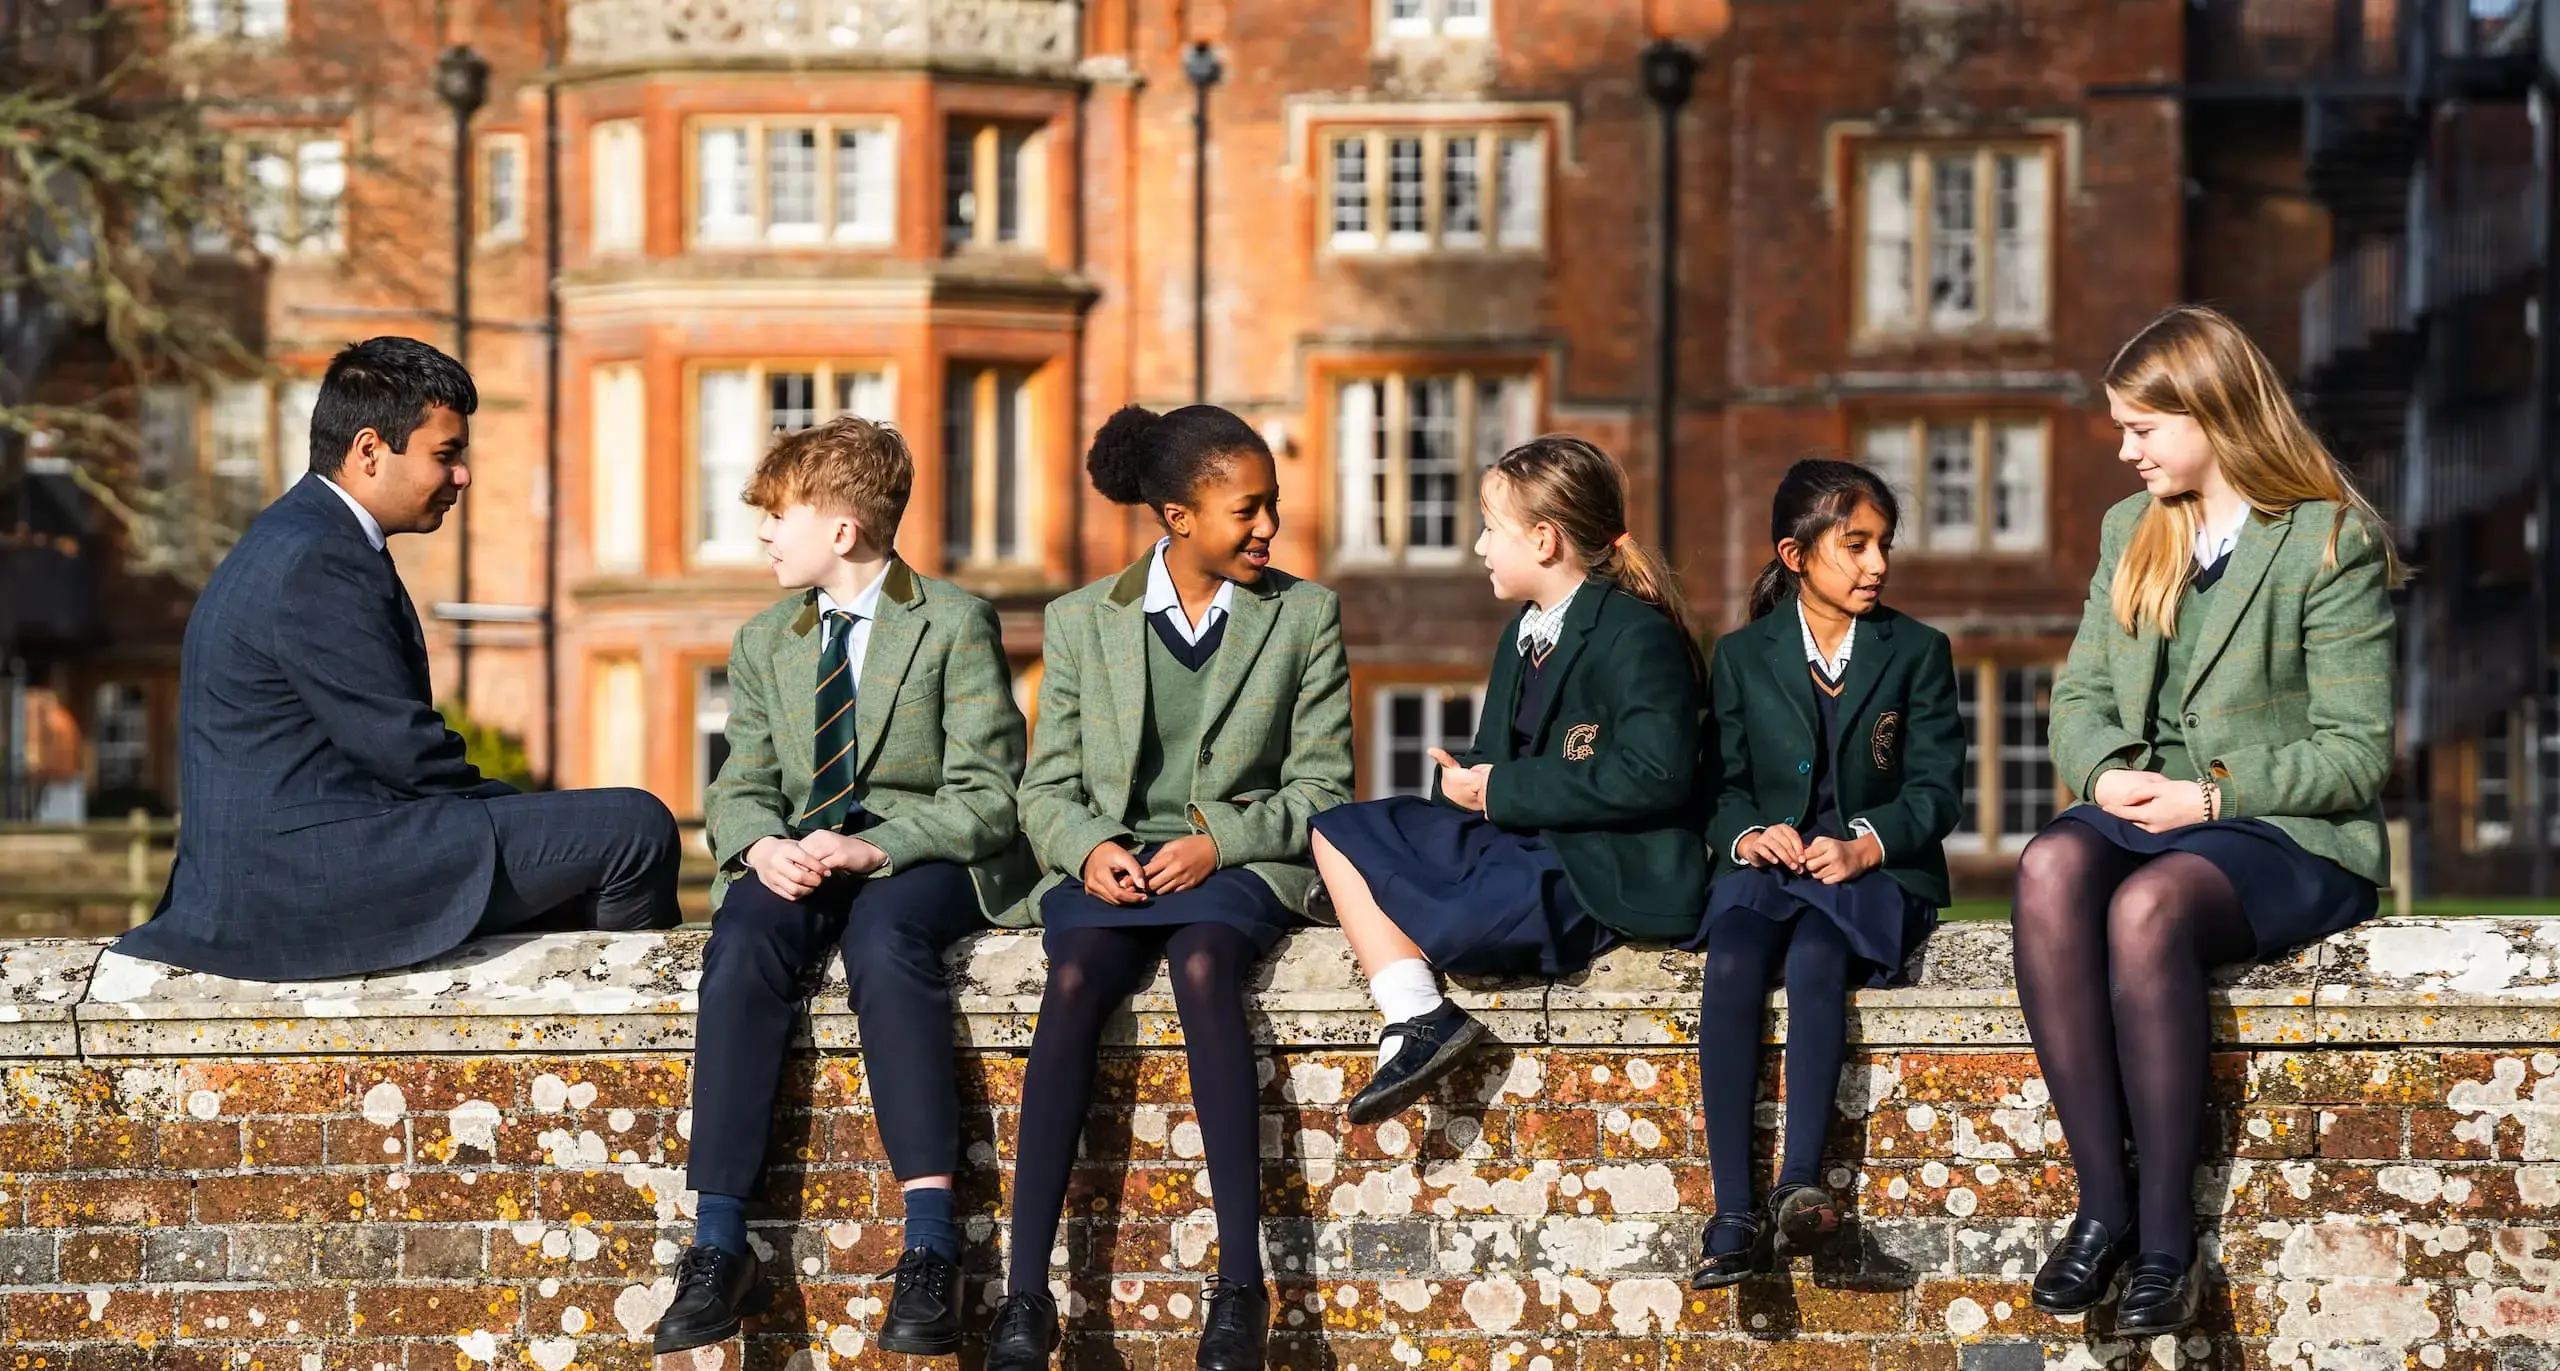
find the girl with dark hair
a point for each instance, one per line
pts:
(2226, 715)
(1194, 715)
(1842, 772)
(1571, 823)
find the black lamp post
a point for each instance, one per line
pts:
(1200, 64)
(462, 82)
(1670, 73)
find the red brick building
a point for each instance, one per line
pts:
(1905, 233)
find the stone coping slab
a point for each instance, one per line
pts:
(2412, 981)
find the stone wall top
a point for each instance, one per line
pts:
(2407, 981)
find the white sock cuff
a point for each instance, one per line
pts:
(1405, 989)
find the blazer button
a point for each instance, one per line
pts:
(1789, 820)
(1804, 768)
(2191, 720)
(1204, 754)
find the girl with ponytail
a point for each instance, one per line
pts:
(1842, 771)
(1571, 823)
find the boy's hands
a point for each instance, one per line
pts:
(838, 852)
(792, 869)
(1112, 875)
(786, 868)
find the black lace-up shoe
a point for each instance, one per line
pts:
(715, 1288)
(924, 1309)
(1023, 1333)
(1237, 1326)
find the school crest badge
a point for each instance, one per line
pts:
(1578, 741)
(1888, 732)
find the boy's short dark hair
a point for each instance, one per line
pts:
(385, 384)
(847, 465)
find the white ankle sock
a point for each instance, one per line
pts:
(1404, 990)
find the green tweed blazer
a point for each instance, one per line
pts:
(937, 735)
(2288, 698)
(1275, 746)
(1898, 758)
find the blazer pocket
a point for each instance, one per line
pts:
(311, 813)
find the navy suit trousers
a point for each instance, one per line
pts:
(893, 932)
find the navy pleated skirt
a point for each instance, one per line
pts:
(1882, 922)
(2289, 896)
(1478, 899)
(1231, 895)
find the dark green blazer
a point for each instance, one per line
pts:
(1897, 761)
(939, 738)
(2288, 696)
(1610, 778)
(1275, 747)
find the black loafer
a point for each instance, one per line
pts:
(924, 1307)
(2162, 1294)
(1717, 1270)
(1023, 1333)
(1237, 1327)
(1806, 1218)
(2076, 1273)
(1431, 1046)
(715, 1289)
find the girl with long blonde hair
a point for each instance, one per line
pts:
(2226, 716)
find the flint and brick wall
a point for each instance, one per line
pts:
(481, 1164)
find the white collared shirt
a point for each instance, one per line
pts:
(1161, 596)
(1539, 628)
(864, 609)
(1833, 668)
(2214, 544)
(364, 516)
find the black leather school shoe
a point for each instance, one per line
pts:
(924, 1307)
(1023, 1333)
(1237, 1327)
(2076, 1273)
(715, 1289)
(1432, 1046)
(1806, 1218)
(1717, 1270)
(2161, 1295)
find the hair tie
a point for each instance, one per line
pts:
(1624, 542)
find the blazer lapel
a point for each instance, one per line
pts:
(894, 635)
(1870, 654)
(1123, 628)
(1501, 695)
(1250, 615)
(2260, 539)
(795, 687)
(1785, 654)
(1570, 640)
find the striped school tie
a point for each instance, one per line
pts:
(831, 781)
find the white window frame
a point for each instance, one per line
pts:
(234, 21)
(617, 187)
(617, 484)
(2507, 743)
(985, 229)
(754, 226)
(1368, 405)
(2005, 451)
(1510, 197)
(187, 423)
(120, 736)
(285, 160)
(499, 187)
(710, 720)
(1985, 827)
(985, 462)
(1412, 19)
(1896, 243)
(1382, 703)
(703, 546)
